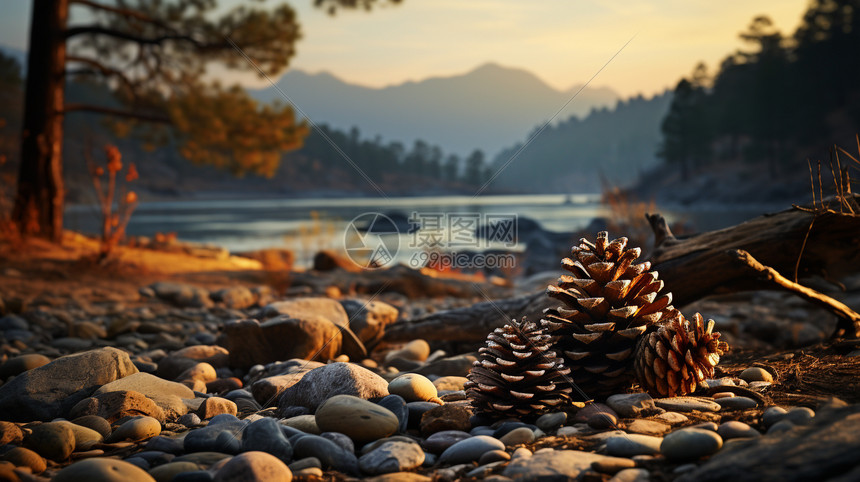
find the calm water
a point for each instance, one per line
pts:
(308, 225)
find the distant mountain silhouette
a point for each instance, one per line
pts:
(488, 108)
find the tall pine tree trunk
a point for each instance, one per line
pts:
(39, 200)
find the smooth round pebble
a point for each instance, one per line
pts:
(253, 467)
(52, 440)
(102, 470)
(734, 429)
(799, 415)
(397, 405)
(690, 443)
(756, 374)
(470, 449)
(612, 465)
(779, 427)
(672, 417)
(773, 415)
(517, 436)
(551, 421)
(439, 441)
(94, 422)
(687, 404)
(23, 457)
(632, 475)
(450, 383)
(602, 421)
(265, 435)
(417, 350)
(189, 419)
(737, 403)
(633, 444)
(359, 419)
(166, 472)
(494, 456)
(413, 387)
(138, 428)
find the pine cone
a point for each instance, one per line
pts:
(517, 374)
(609, 303)
(676, 357)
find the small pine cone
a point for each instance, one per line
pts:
(609, 303)
(676, 357)
(517, 374)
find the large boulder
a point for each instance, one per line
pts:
(51, 390)
(251, 343)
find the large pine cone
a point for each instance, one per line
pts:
(517, 374)
(676, 357)
(609, 303)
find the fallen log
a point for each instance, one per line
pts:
(798, 242)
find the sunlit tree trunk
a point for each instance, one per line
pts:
(39, 200)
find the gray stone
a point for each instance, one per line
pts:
(517, 436)
(672, 417)
(633, 444)
(632, 405)
(439, 441)
(551, 421)
(470, 449)
(94, 422)
(330, 455)
(773, 415)
(265, 435)
(737, 403)
(648, 427)
(181, 295)
(342, 440)
(779, 427)
(235, 297)
(799, 415)
(324, 382)
(51, 390)
(359, 419)
(632, 475)
(552, 464)
(455, 366)
(687, 404)
(85, 437)
(223, 437)
(398, 407)
(166, 394)
(690, 444)
(393, 456)
(734, 429)
(53, 440)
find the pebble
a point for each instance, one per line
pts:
(345, 442)
(470, 449)
(632, 475)
(138, 428)
(690, 443)
(359, 419)
(203, 372)
(439, 441)
(631, 405)
(772, 415)
(551, 421)
(53, 440)
(305, 423)
(321, 384)
(450, 383)
(633, 444)
(589, 410)
(102, 470)
(166, 394)
(252, 467)
(113, 406)
(602, 420)
(779, 427)
(23, 457)
(213, 406)
(413, 388)
(305, 463)
(193, 476)
(22, 363)
(648, 427)
(397, 405)
(167, 472)
(445, 417)
(756, 374)
(673, 417)
(612, 465)
(720, 395)
(330, 455)
(737, 403)
(687, 404)
(265, 435)
(392, 456)
(518, 436)
(10, 433)
(799, 415)
(416, 350)
(734, 429)
(217, 437)
(552, 465)
(85, 437)
(189, 420)
(494, 456)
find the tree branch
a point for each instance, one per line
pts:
(103, 69)
(125, 12)
(116, 112)
(101, 30)
(850, 318)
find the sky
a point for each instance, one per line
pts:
(564, 42)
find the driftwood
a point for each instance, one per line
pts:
(472, 323)
(797, 242)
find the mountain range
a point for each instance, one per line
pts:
(487, 108)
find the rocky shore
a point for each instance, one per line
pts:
(183, 381)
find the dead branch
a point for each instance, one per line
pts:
(849, 319)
